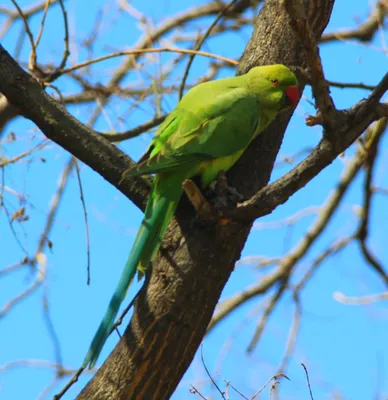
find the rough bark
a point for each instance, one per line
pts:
(174, 308)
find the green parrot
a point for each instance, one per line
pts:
(203, 136)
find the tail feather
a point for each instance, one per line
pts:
(158, 214)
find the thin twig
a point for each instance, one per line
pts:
(344, 85)
(55, 202)
(331, 250)
(46, 7)
(40, 276)
(288, 261)
(31, 363)
(360, 300)
(320, 88)
(194, 390)
(209, 375)
(120, 136)
(53, 334)
(33, 57)
(373, 139)
(293, 333)
(145, 51)
(26, 153)
(85, 213)
(236, 390)
(365, 31)
(308, 381)
(199, 44)
(73, 380)
(275, 377)
(66, 51)
(269, 309)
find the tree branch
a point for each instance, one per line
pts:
(353, 123)
(28, 96)
(364, 32)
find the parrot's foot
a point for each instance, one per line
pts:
(227, 194)
(203, 208)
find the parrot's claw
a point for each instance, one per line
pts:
(226, 194)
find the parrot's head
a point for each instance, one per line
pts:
(275, 86)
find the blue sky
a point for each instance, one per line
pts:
(344, 347)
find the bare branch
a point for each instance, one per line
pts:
(7, 161)
(358, 118)
(287, 262)
(372, 141)
(360, 300)
(40, 276)
(364, 32)
(199, 44)
(27, 13)
(32, 64)
(299, 23)
(82, 198)
(275, 377)
(27, 95)
(270, 307)
(118, 137)
(308, 381)
(344, 85)
(293, 333)
(146, 51)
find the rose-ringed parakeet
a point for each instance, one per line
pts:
(204, 135)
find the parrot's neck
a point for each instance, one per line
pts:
(267, 116)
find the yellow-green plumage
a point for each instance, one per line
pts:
(206, 133)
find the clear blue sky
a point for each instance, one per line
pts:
(344, 347)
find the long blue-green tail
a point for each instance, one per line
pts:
(161, 206)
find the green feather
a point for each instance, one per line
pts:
(161, 206)
(207, 133)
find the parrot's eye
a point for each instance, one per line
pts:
(275, 82)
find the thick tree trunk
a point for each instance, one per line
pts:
(174, 309)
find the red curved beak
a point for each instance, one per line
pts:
(292, 92)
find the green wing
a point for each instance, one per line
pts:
(219, 126)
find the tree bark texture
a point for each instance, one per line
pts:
(174, 308)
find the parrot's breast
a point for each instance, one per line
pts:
(210, 169)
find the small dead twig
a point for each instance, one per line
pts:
(372, 140)
(120, 136)
(275, 377)
(345, 85)
(40, 277)
(85, 213)
(145, 51)
(46, 7)
(360, 300)
(194, 390)
(365, 31)
(228, 384)
(32, 63)
(199, 44)
(5, 161)
(320, 87)
(274, 300)
(308, 381)
(209, 375)
(73, 380)
(53, 335)
(293, 333)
